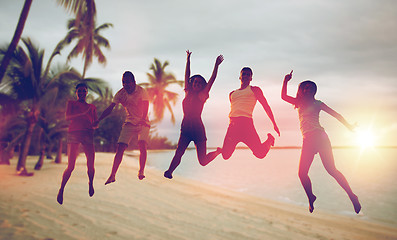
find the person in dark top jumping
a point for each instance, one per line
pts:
(192, 127)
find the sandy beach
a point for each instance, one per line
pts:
(155, 208)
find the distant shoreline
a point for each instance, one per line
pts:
(299, 147)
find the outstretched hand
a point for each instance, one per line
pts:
(188, 53)
(352, 127)
(219, 60)
(288, 76)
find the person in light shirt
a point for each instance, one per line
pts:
(315, 139)
(135, 101)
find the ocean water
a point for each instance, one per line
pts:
(371, 174)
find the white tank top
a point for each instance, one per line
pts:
(242, 102)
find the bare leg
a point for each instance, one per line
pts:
(90, 154)
(259, 149)
(203, 157)
(183, 143)
(117, 161)
(73, 152)
(306, 160)
(229, 145)
(142, 159)
(328, 161)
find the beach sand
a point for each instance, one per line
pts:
(155, 208)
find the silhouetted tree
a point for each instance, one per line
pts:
(88, 40)
(14, 42)
(159, 96)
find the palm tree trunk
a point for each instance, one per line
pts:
(21, 166)
(58, 158)
(31, 120)
(40, 161)
(17, 35)
(49, 151)
(3, 157)
(8, 152)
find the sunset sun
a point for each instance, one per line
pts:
(365, 138)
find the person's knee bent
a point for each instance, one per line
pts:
(121, 147)
(203, 160)
(69, 168)
(333, 172)
(303, 175)
(260, 155)
(226, 155)
(142, 146)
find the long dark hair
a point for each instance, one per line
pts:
(301, 97)
(192, 78)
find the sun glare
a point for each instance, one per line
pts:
(365, 138)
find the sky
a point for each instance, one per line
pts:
(349, 48)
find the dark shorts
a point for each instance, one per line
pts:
(193, 130)
(85, 137)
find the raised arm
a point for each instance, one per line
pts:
(284, 94)
(218, 61)
(336, 115)
(262, 100)
(187, 69)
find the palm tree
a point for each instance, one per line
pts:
(75, 6)
(35, 90)
(17, 35)
(79, 7)
(41, 95)
(159, 96)
(89, 40)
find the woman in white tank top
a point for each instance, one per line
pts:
(241, 127)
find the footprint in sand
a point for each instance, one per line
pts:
(112, 233)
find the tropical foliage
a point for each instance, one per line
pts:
(40, 95)
(160, 97)
(88, 39)
(33, 95)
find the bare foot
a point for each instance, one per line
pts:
(91, 190)
(60, 197)
(311, 203)
(23, 172)
(356, 204)
(141, 175)
(167, 174)
(110, 180)
(271, 139)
